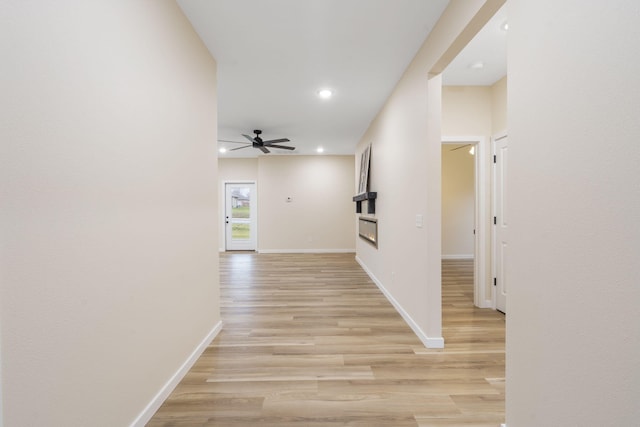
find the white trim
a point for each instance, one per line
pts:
(464, 256)
(482, 213)
(500, 135)
(306, 251)
(462, 139)
(429, 342)
(171, 384)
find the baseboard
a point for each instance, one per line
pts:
(170, 385)
(429, 342)
(463, 256)
(306, 251)
(486, 303)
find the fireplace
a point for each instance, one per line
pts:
(368, 230)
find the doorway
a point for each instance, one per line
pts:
(240, 216)
(472, 225)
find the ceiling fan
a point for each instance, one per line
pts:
(257, 142)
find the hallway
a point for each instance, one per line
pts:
(309, 340)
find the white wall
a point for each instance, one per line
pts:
(320, 217)
(458, 202)
(466, 110)
(499, 107)
(405, 171)
(109, 207)
(237, 169)
(573, 327)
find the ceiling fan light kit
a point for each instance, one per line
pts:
(260, 144)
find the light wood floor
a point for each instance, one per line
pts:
(309, 340)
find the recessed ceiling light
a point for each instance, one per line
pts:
(320, 150)
(504, 26)
(325, 93)
(478, 65)
(222, 150)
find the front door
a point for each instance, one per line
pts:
(240, 217)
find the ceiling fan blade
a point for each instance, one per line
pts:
(233, 142)
(263, 149)
(272, 141)
(282, 146)
(249, 138)
(457, 148)
(240, 148)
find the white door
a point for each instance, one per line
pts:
(501, 222)
(240, 217)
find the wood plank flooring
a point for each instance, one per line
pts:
(309, 340)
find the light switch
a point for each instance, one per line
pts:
(419, 220)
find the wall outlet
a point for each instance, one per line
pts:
(419, 220)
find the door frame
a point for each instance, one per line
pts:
(223, 211)
(494, 248)
(481, 215)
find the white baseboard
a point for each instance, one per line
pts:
(486, 303)
(170, 385)
(429, 342)
(306, 251)
(463, 256)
